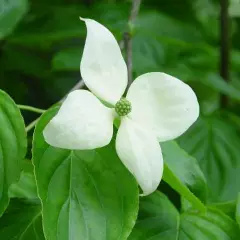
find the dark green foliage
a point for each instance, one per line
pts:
(41, 43)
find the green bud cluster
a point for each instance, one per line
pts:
(123, 107)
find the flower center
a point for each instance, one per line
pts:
(123, 107)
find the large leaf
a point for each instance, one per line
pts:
(84, 194)
(215, 144)
(13, 143)
(22, 221)
(159, 219)
(11, 12)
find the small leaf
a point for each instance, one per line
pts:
(13, 144)
(84, 194)
(186, 168)
(159, 219)
(183, 174)
(177, 185)
(215, 144)
(26, 186)
(11, 12)
(22, 221)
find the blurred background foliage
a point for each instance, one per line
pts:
(41, 47)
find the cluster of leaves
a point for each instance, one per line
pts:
(62, 194)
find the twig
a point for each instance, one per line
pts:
(30, 108)
(225, 46)
(78, 85)
(128, 37)
(32, 125)
(135, 10)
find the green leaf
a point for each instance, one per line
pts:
(150, 49)
(61, 22)
(13, 144)
(67, 60)
(238, 210)
(217, 83)
(177, 185)
(215, 144)
(207, 13)
(11, 12)
(34, 65)
(22, 221)
(51, 25)
(183, 174)
(84, 194)
(26, 186)
(229, 208)
(185, 168)
(234, 9)
(159, 219)
(175, 29)
(207, 98)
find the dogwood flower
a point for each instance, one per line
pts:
(157, 108)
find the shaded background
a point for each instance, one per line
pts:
(41, 43)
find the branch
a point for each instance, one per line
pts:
(32, 125)
(134, 11)
(127, 37)
(225, 46)
(79, 85)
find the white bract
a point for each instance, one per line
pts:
(162, 108)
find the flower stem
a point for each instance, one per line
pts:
(30, 108)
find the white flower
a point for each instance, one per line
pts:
(162, 108)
